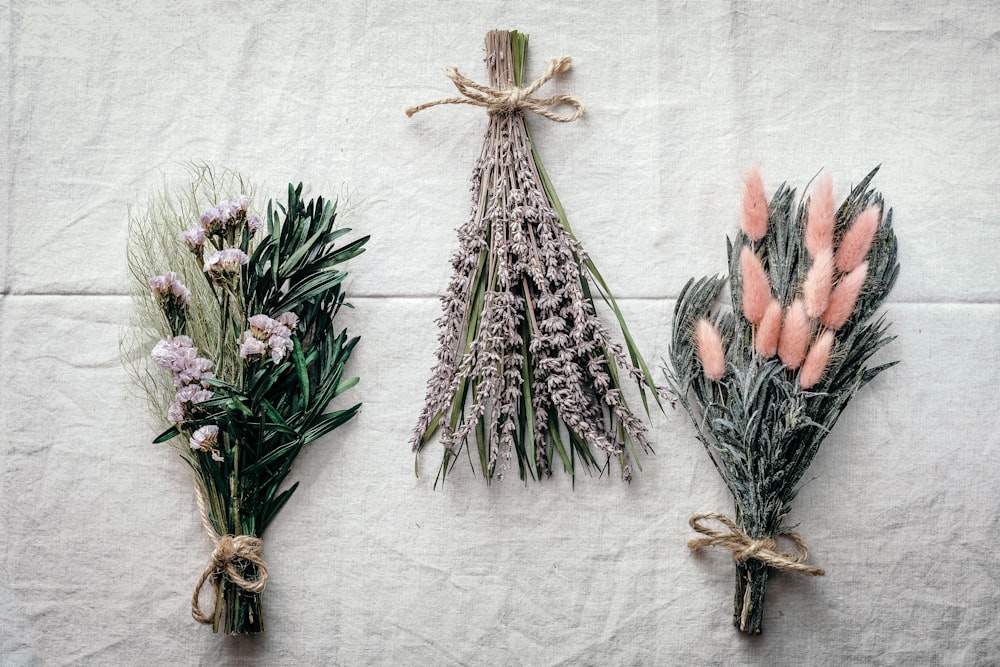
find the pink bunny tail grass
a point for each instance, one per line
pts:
(819, 223)
(769, 330)
(753, 214)
(818, 283)
(795, 335)
(756, 289)
(708, 343)
(843, 297)
(816, 360)
(858, 239)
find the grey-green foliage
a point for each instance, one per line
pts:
(760, 429)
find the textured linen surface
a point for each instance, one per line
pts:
(100, 540)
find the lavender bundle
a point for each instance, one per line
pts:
(525, 368)
(247, 337)
(765, 383)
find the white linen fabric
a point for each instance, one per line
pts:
(369, 564)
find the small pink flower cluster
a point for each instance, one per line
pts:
(168, 288)
(269, 336)
(218, 220)
(829, 293)
(227, 214)
(225, 263)
(178, 355)
(205, 439)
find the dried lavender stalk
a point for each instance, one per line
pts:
(524, 365)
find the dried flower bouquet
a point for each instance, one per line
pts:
(765, 383)
(245, 317)
(525, 368)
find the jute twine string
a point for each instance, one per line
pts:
(513, 99)
(229, 550)
(743, 547)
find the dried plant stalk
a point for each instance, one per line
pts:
(525, 367)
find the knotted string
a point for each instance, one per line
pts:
(743, 547)
(513, 99)
(229, 551)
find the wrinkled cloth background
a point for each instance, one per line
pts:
(99, 540)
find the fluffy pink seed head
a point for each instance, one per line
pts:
(819, 223)
(769, 330)
(756, 289)
(795, 334)
(816, 360)
(843, 297)
(708, 344)
(753, 214)
(819, 282)
(857, 240)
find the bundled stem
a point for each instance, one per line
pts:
(795, 346)
(525, 368)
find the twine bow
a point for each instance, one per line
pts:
(743, 547)
(513, 99)
(230, 552)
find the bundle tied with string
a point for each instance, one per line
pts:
(526, 371)
(765, 382)
(510, 100)
(233, 559)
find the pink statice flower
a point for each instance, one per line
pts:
(195, 240)
(177, 355)
(168, 288)
(289, 319)
(211, 221)
(261, 326)
(251, 347)
(268, 336)
(225, 263)
(255, 222)
(196, 371)
(174, 353)
(205, 438)
(186, 399)
(228, 215)
(175, 413)
(280, 346)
